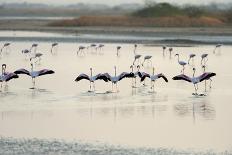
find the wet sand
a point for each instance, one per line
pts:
(170, 119)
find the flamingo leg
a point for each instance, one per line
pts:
(205, 85)
(210, 83)
(90, 87)
(93, 86)
(196, 88)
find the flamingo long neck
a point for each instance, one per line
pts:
(91, 72)
(32, 67)
(153, 71)
(115, 74)
(194, 73)
(178, 58)
(2, 70)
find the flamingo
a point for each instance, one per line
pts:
(148, 58)
(34, 46)
(80, 49)
(6, 45)
(205, 58)
(141, 74)
(136, 58)
(182, 63)
(135, 47)
(217, 46)
(33, 74)
(91, 78)
(118, 48)
(100, 46)
(26, 52)
(164, 48)
(153, 77)
(53, 46)
(195, 80)
(115, 79)
(191, 56)
(6, 76)
(170, 52)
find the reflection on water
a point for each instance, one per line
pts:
(198, 107)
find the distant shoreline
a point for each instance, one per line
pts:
(165, 32)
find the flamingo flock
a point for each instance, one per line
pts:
(115, 78)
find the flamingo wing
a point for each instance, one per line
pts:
(102, 77)
(206, 76)
(162, 76)
(45, 71)
(22, 71)
(182, 77)
(143, 76)
(9, 76)
(125, 75)
(81, 77)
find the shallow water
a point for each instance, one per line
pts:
(170, 118)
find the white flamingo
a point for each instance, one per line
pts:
(195, 80)
(91, 79)
(135, 47)
(170, 52)
(33, 74)
(34, 46)
(182, 63)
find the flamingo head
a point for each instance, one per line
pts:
(194, 69)
(177, 54)
(138, 67)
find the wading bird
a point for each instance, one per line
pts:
(118, 48)
(170, 52)
(6, 46)
(191, 56)
(195, 80)
(148, 59)
(137, 57)
(115, 79)
(34, 46)
(80, 49)
(204, 57)
(91, 79)
(182, 63)
(164, 48)
(153, 77)
(218, 46)
(210, 80)
(6, 76)
(53, 46)
(33, 74)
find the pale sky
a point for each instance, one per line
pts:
(114, 2)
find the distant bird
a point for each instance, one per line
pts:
(5, 45)
(100, 46)
(136, 58)
(218, 46)
(164, 48)
(147, 58)
(36, 56)
(135, 47)
(26, 52)
(191, 56)
(170, 52)
(118, 48)
(6, 76)
(80, 49)
(182, 63)
(33, 74)
(34, 46)
(91, 78)
(204, 57)
(115, 79)
(153, 78)
(141, 74)
(53, 46)
(195, 80)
